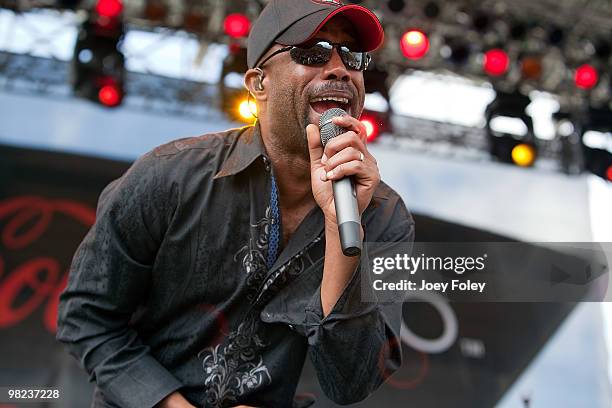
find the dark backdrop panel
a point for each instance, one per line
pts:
(494, 342)
(47, 204)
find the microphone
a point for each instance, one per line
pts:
(345, 197)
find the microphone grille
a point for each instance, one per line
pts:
(329, 129)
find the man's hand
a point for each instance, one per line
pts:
(341, 158)
(174, 400)
(344, 155)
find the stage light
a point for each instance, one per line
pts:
(396, 6)
(235, 61)
(194, 20)
(376, 123)
(596, 141)
(109, 8)
(231, 87)
(109, 95)
(106, 20)
(565, 128)
(523, 155)
(496, 62)
(508, 142)
(247, 109)
(456, 51)
(98, 66)
(155, 10)
(586, 77)
(598, 162)
(414, 44)
(508, 125)
(375, 80)
(531, 68)
(85, 56)
(236, 25)
(372, 127)
(508, 149)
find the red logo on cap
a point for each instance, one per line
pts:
(326, 2)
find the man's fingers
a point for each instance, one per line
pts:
(351, 168)
(341, 142)
(343, 156)
(350, 123)
(314, 143)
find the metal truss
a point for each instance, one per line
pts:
(584, 22)
(25, 74)
(451, 140)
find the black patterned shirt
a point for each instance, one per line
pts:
(170, 289)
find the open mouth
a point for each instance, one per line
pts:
(323, 103)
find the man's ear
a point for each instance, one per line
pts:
(254, 81)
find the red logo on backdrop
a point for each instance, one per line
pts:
(328, 2)
(38, 280)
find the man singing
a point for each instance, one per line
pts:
(215, 262)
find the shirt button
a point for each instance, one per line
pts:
(266, 163)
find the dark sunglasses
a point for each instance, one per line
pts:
(321, 52)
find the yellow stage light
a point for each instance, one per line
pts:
(523, 155)
(247, 110)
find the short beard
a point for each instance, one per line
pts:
(289, 139)
(304, 139)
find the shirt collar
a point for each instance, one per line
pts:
(247, 147)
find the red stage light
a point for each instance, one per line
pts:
(496, 62)
(531, 68)
(106, 25)
(586, 77)
(109, 8)
(236, 25)
(109, 95)
(155, 10)
(372, 128)
(414, 44)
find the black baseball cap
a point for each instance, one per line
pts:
(293, 22)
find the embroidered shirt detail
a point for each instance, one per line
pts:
(235, 367)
